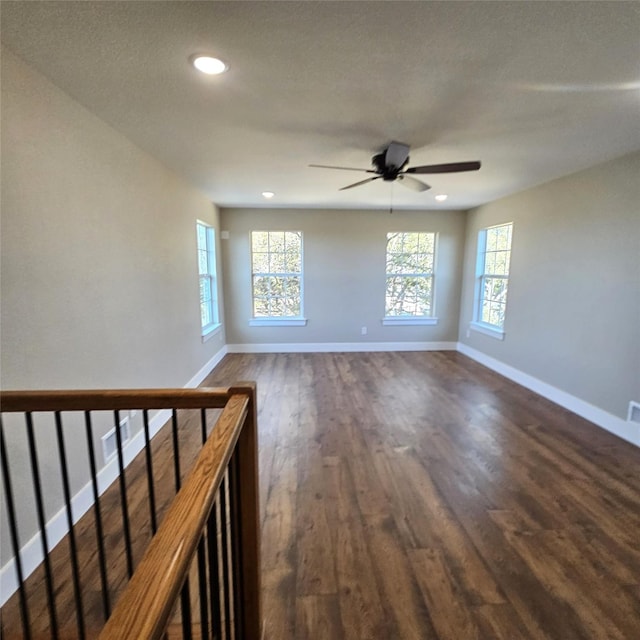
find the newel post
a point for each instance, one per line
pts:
(247, 449)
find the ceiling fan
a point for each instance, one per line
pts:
(391, 164)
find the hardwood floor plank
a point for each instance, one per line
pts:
(315, 571)
(279, 553)
(429, 514)
(451, 618)
(542, 613)
(399, 588)
(361, 609)
(556, 576)
(371, 494)
(318, 618)
(499, 622)
(583, 572)
(591, 542)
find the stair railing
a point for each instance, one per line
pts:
(209, 534)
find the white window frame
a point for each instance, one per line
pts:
(209, 274)
(482, 274)
(279, 320)
(405, 320)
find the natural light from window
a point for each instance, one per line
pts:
(492, 278)
(276, 272)
(207, 274)
(410, 275)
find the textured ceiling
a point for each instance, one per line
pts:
(534, 90)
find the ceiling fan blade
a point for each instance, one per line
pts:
(396, 154)
(326, 166)
(412, 183)
(451, 167)
(357, 184)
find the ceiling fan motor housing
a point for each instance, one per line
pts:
(388, 172)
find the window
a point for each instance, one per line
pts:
(207, 274)
(410, 269)
(276, 273)
(492, 279)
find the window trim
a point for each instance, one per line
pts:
(399, 321)
(477, 324)
(277, 321)
(212, 330)
(208, 331)
(287, 321)
(390, 321)
(487, 329)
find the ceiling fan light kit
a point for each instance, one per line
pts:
(391, 165)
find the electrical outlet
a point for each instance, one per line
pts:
(363, 331)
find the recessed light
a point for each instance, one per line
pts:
(268, 194)
(441, 197)
(207, 64)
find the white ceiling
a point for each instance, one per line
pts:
(535, 90)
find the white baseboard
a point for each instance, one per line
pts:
(331, 347)
(31, 553)
(623, 429)
(206, 369)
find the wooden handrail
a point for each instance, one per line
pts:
(144, 609)
(115, 399)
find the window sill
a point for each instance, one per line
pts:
(277, 322)
(393, 321)
(487, 330)
(211, 331)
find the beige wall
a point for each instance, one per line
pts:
(99, 274)
(573, 312)
(344, 274)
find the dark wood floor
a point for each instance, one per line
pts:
(420, 495)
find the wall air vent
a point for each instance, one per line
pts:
(110, 442)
